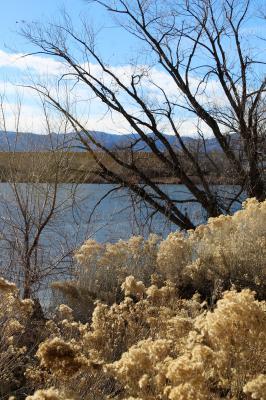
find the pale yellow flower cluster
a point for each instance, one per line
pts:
(6, 286)
(101, 270)
(219, 353)
(143, 368)
(49, 394)
(61, 357)
(104, 267)
(65, 312)
(229, 250)
(133, 288)
(257, 387)
(174, 255)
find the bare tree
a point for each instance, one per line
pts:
(34, 205)
(198, 45)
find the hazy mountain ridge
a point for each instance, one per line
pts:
(11, 141)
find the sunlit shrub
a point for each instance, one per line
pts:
(257, 387)
(79, 352)
(104, 267)
(65, 358)
(151, 343)
(221, 353)
(228, 250)
(159, 346)
(155, 346)
(49, 394)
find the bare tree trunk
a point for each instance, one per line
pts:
(27, 284)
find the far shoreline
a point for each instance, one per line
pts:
(80, 168)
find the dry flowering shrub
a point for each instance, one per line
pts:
(226, 349)
(65, 312)
(61, 357)
(154, 314)
(101, 270)
(143, 369)
(154, 345)
(257, 387)
(229, 250)
(223, 352)
(49, 394)
(65, 357)
(104, 267)
(131, 287)
(79, 352)
(143, 340)
(14, 314)
(174, 255)
(236, 332)
(135, 255)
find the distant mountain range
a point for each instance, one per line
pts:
(11, 141)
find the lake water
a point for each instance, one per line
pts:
(117, 216)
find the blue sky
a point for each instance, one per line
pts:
(16, 12)
(13, 71)
(115, 45)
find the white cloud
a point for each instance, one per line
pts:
(20, 69)
(38, 64)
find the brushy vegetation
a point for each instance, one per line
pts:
(80, 167)
(179, 319)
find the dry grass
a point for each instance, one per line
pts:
(80, 167)
(77, 167)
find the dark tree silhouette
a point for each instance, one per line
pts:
(198, 44)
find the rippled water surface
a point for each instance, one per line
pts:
(117, 216)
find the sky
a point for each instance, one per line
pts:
(16, 12)
(14, 71)
(115, 45)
